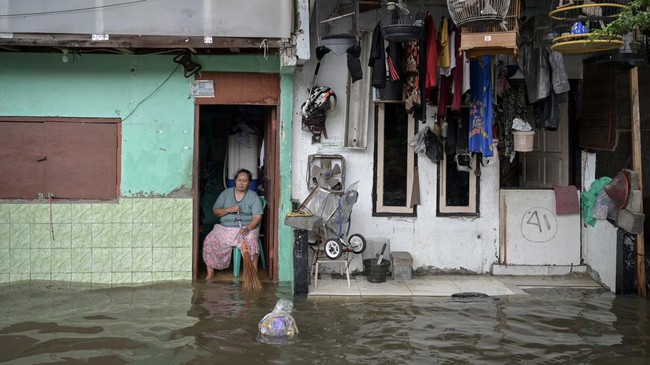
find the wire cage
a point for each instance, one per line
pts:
(401, 22)
(574, 23)
(337, 24)
(478, 13)
(494, 38)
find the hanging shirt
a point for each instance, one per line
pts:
(431, 71)
(411, 90)
(457, 74)
(377, 58)
(444, 55)
(395, 69)
(480, 118)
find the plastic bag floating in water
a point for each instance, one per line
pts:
(278, 324)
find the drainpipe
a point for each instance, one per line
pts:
(304, 8)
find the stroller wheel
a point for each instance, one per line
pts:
(333, 248)
(357, 243)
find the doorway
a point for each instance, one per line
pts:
(237, 128)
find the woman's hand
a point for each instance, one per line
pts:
(244, 231)
(234, 209)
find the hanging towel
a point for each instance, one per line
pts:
(566, 199)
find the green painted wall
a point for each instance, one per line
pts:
(285, 233)
(151, 95)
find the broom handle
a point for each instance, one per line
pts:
(244, 246)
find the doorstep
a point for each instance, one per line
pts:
(444, 285)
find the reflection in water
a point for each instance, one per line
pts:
(187, 323)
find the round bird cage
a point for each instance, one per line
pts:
(337, 24)
(400, 22)
(478, 13)
(574, 23)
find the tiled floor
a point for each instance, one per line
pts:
(444, 285)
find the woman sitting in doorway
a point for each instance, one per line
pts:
(240, 211)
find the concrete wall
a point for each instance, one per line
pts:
(223, 18)
(599, 241)
(447, 243)
(146, 234)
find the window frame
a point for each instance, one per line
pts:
(47, 122)
(474, 191)
(379, 209)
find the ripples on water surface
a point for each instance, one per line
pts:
(198, 323)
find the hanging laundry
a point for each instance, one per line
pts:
(444, 52)
(377, 58)
(411, 93)
(394, 51)
(457, 74)
(480, 119)
(431, 70)
(354, 63)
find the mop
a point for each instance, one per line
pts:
(249, 277)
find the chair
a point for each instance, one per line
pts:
(237, 254)
(209, 219)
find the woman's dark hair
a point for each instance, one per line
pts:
(244, 171)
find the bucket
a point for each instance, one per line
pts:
(524, 141)
(376, 273)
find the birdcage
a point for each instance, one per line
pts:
(337, 24)
(574, 23)
(493, 38)
(478, 13)
(401, 22)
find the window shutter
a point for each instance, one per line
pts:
(599, 120)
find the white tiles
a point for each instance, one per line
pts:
(436, 285)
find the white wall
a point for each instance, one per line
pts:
(440, 242)
(225, 18)
(599, 241)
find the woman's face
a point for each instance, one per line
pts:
(242, 181)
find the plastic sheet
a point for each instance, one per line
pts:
(278, 324)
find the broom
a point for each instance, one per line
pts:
(249, 277)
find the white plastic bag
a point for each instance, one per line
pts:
(417, 142)
(521, 125)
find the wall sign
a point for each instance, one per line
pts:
(202, 89)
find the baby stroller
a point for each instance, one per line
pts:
(335, 208)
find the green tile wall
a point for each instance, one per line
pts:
(133, 241)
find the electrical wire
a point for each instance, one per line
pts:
(74, 10)
(153, 92)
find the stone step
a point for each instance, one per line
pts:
(402, 265)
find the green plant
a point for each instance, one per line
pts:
(635, 16)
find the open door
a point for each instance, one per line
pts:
(548, 163)
(239, 94)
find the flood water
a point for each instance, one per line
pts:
(216, 323)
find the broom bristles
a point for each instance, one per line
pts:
(250, 279)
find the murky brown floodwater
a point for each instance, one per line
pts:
(199, 323)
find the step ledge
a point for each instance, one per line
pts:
(538, 270)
